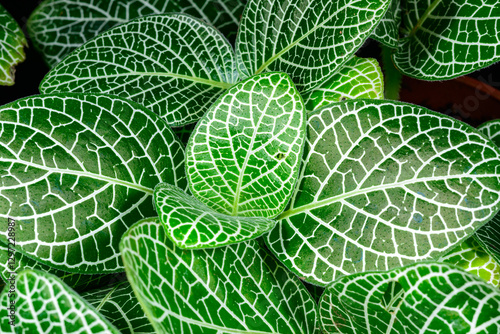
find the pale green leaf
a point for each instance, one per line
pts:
(12, 43)
(235, 289)
(447, 39)
(309, 40)
(387, 32)
(12, 262)
(45, 305)
(471, 257)
(359, 78)
(191, 224)
(174, 64)
(384, 184)
(57, 27)
(421, 298)
(243, 156)
(119, 305)
(77, 170)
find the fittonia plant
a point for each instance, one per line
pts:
(295, 171)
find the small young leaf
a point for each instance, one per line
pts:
(12, 43)
(243, 157)
(359, 78)
(387, 32)
(421, 298)
(15, 262)
(45, 305)
(173, 64)
(309, 40)
(57, 27)
(235, 289)
(120, 306)
(384, 184)
(447, 39)
(191, 224)
(471, 257)
(77, 170)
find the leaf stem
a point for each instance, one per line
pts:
(392, 76)
(424, 17)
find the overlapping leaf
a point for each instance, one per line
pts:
(12, 43)
(359, 78)
(309, 40)
(12, 262)
(57, 27)
(387, 32)
(471, 257)
(45, 305)
(191, 224)
(77, 170)
(235, 289)
(447, 39)
(384, 184)
(173, 64)
(120, 307)
(243, 157)
(421, 298)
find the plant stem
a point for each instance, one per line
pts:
(392, 77)
(424, 17)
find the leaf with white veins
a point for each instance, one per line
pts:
(235, 289)
(421, 298)
(174, 65)
(243, 156)
(45, 305)
(12, 43)
(471, 257)
(191, 224)
(447, 39)
(387, 32)
(309, 40)
(384, 184)
(57, 27)
(77, 170)
(359, 78)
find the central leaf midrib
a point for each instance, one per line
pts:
(85, 174)
(218, 84)
(337, 198)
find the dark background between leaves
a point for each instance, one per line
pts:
(33, 69)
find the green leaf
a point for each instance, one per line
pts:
(235, 289)
(44, 304)
(57, 27)
(12, 43)
(447, 39)
(387, 32)
(309, 40)
(191, 224)
(359, 78)
(471, 257)
(174, 64)
(12, 262)
(384, 184)
(77, 170)
(421, 298)
(488, 236)
(119, 305)
(243, 157)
